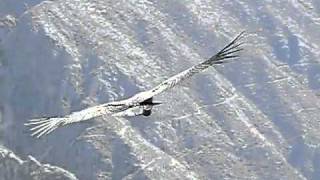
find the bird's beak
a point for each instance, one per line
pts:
(156, 103)
(150, 103)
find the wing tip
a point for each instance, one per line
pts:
(231, 50)
(43, 126)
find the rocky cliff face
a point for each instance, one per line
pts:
(14, 168)
(255, 118)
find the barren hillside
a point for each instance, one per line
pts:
(254, 118)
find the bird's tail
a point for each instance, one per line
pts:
(44, 126)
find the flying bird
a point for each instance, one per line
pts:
(144, 100)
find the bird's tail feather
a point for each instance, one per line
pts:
(44, 126)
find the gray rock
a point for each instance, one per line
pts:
(255, 118)
(13, 167)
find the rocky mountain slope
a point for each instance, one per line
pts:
(14, 168)
(255, 118)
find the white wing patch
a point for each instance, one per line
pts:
(45, 125)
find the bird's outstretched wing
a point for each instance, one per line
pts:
(229, 52)
(45, 125)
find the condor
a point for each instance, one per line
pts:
(45, 125)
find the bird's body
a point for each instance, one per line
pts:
(45, 125)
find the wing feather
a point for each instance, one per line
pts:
(44, 126)
(223, 56)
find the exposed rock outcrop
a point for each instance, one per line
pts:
(255, 118)
(13, 167)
